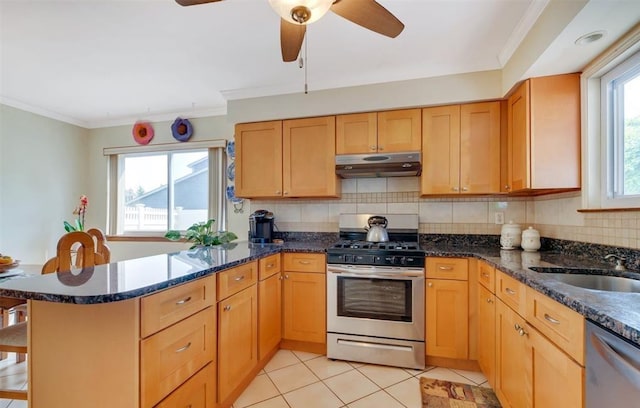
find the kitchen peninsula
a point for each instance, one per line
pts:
(89, 330)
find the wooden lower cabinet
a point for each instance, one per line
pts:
(304, 307)
(237, 340)
(487, 333)
(530, 370)
(269, 314)
(198, 392)
(447, 314)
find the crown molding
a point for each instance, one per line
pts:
(42, 112)
(521, 29)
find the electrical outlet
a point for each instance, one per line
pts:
(499, 218)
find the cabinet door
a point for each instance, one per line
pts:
(309, 158)
(238, 339)
(487, 334)
(399, 131)
(555, 131)
(259, 159)
(357, 133)
(441, 150)
(518, 154)
(513, 364)
(269, 314)
(198, 392)
(550, 368)
(480, 148)
(304, 307)
(447, 314)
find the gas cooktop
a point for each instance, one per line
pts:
(392, 245)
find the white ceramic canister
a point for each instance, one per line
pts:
(510, 235)
(530, 240)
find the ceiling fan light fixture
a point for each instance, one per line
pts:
(301, 11)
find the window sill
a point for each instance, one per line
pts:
(139, 238)
(598, 210)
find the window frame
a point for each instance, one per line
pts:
(594, 133)
(217, 167)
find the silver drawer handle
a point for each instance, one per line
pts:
(304, 262)
(183, 348)
(551, 319)
(445, 268)
(183, 301)
(510, 291)
(270, 265)
(239, 278)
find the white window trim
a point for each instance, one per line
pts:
(594, 141)
(217, 169)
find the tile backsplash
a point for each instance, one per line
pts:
(555, 216)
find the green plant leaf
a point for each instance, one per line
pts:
(68, 227)
(173, 235)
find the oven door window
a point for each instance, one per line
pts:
(381, 299)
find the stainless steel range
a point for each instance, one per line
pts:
(375, 294)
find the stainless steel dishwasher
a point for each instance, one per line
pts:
(613, 370)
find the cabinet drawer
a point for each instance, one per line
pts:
(163, 309)
(487, 276)
(198, 392)
(170, 357)
(304, 262)
(447, 268)
(269, 266)
(511, 292)
(236, 279)
(558, 323)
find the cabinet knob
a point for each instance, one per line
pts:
(465, 189)
(520, 329)
(507, 188)
(227, 308)
(286, 276)
(286, 193)
(278, 192)
(373, 148)
(380, 148)
(280, 277)
(489, 300)
(430, 284)
(454, 188)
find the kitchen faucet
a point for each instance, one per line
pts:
(619, 261)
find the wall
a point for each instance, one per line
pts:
(43, 171)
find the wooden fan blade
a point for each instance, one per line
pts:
(369, 14)
(194, 2)
(291, 37)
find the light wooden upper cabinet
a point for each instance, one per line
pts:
(290, 158)
(259, 159)
(399, 131)
(461, 149)
(309, 150)
(357, 133)
(543, 134)
(385, 132)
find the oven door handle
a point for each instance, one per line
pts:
(369, 274)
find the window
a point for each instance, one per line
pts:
(153, 190)
(621, 132)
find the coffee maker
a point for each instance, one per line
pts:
(261, 227)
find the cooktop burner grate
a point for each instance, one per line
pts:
(392, 245)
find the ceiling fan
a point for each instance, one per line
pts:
(296, 14)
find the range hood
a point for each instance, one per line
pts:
(378, 165)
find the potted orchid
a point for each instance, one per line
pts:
(79, 212)
(201, 234)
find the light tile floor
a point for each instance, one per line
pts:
(295, 379)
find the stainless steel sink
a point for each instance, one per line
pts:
(598, 282)
(592, 281)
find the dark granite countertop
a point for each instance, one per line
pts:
(142, 276)
(620, 312)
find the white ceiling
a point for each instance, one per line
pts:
(101, 62)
